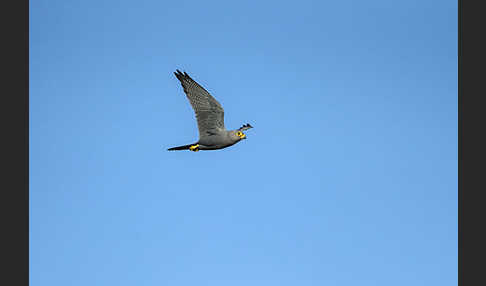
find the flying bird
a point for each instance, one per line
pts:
(210, 118)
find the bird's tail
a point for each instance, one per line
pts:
(184, 147)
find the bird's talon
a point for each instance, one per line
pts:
(194, 148)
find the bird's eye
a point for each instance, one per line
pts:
(239, 133)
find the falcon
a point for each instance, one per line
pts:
(210, 118)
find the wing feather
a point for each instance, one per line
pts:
(209, 113)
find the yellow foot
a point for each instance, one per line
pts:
(194, 148)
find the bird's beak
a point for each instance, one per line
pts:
(243, 136)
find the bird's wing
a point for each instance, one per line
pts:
(209, 113)
(245, 127)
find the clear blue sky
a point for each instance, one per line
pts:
(349, 176)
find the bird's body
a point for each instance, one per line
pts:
(210, 118)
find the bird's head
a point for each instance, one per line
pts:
(238, 134)
(241, 134)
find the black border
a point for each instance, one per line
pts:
(471, 76)
(14, 117)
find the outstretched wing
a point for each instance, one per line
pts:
(245, 127)
(209, 113)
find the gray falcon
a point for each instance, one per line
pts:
(210, 119)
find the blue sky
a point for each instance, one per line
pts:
(349, 176)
